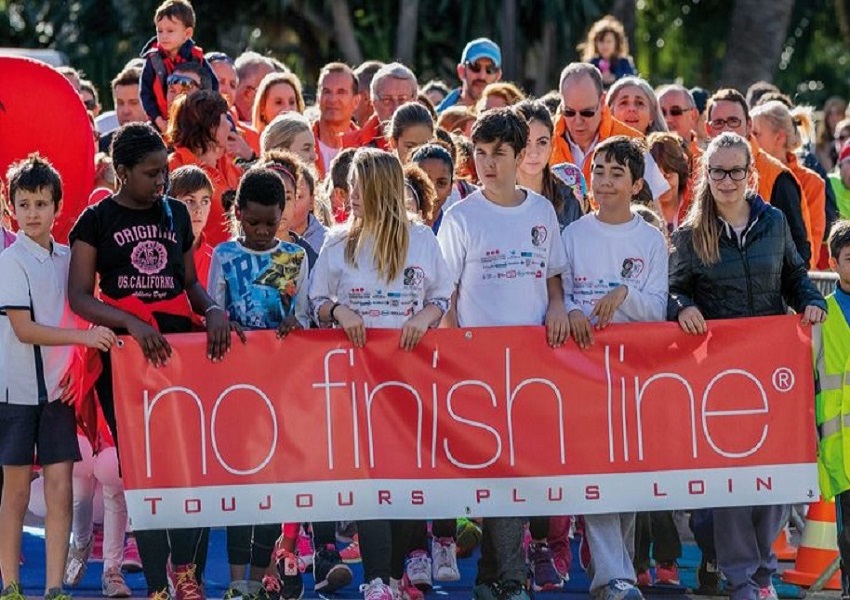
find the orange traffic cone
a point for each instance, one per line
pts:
(782, 548)
(818, 548)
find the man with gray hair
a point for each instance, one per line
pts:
(680, 113)
(250, 69)
(585, 120)
(393, 85)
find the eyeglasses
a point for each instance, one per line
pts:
(675, 111)
(389, 101)
(731, 122)
(735, 174)
(476, 68)
(183, 81)
(586, 113)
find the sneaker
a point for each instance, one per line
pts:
(97, 546)
(304, 546)
(351, 553)
(619, 589)
(404, 590)
(160, 595)
(510, 590)
(12, 592)
(56, 594)
(667, 574)
(291, 585)
(269, 590)
(544, 575)
(376, 590)
(708, 578)
(468, 537)
(444, 551)
(186, 583)
(113, 585)
(644, 578)
(329, 572)
(77, 562)
(132, 562)
(768, 593)
(417, 569)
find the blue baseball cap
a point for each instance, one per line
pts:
(482, 48)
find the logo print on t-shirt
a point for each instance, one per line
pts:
(413, 275)
(632, 268)
(149, 257)
(539, 235)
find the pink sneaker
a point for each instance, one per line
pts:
(351, 553)
(132, 562)
(667, 574)
(644, 579)
(304, 547)
(408, 591)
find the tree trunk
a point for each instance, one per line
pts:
(344, 32)
(547, 72)
(509, 45)
(408, 24)
(754, 41)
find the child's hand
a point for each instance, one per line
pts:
(289, 324)
(691, 321)
(581, 329)
(607, 305)
(413, 330)
(154, 345)
(218, 334)
(557, 325)
(240, 333)
(99, 337)
(352, 324)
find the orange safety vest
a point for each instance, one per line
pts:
(350, 139)
(768, 169)
(814, 192)
(608, 127)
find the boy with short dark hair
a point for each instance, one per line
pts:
(616, 272)
(337, 184)
(832, 353)
(175, 25)
(502, 249)
(192, 186)
(37, 336)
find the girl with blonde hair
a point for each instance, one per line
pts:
(398, 270)
(278, 93)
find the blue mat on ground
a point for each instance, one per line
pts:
(216, 576)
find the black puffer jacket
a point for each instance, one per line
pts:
(762, 276)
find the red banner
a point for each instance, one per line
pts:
(473, 422)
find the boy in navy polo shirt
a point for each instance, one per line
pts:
(37, 336)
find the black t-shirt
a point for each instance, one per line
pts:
(139, 252)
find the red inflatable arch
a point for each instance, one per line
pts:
(41, 111)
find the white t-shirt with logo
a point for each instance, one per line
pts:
(601, 257)
(500, 258)
(423, 280)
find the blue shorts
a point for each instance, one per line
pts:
(44, 434)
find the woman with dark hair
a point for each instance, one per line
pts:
(672, 155)
(534, 172)
(198, 130)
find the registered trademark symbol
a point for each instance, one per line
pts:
(783, 379)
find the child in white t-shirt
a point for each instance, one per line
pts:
(504, 255)
(616, 272)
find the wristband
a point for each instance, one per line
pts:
(331, 314)
(212, 307)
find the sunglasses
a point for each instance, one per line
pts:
(675, 111)
(212, 57)
(183, 81)
(586, 113)
(718, 174)
(476, 68)
(731, 122)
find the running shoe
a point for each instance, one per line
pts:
(544, 575)
(417, 569)
(132, 562)
(376, 590)
(329, 572)
(186, 583)
(444, 552)
(113, 584)
(351, 553)
(77, 563)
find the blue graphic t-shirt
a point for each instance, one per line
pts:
(259, 289)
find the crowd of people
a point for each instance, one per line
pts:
(224, 203)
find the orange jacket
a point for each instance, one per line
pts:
(608, 127)
(372, 134)
(225, 176)
(350, 139)
(814, 194)
(768, 169)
